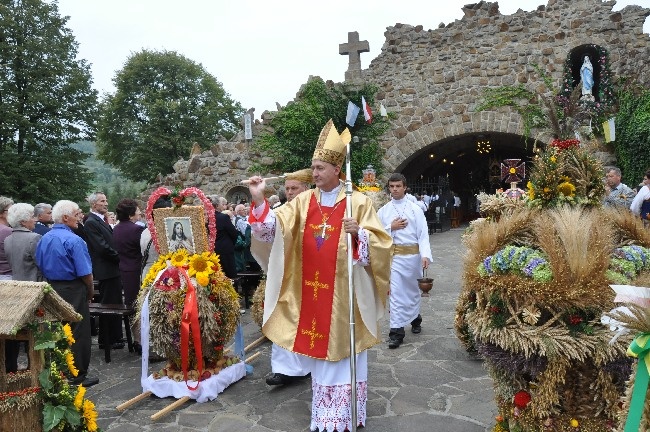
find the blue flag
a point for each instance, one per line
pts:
(353, 112)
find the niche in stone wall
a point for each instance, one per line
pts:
(575, 60)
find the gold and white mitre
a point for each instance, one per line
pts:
(331, 146)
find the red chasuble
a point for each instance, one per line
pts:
(318, 274)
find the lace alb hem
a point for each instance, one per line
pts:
(331, 408)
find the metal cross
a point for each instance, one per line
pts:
(324, 226)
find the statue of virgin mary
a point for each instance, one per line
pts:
(587, 76)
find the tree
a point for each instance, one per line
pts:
(163, 103)
(633, 132)
(46, 104)
(295, 128)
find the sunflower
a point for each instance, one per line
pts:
(202, 279)
(68, 334)
(180, 258)
(79, 398)
(69, 359)
(90, 415)
(531, 191)
(567, 189)
(200, 264)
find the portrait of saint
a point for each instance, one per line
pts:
(179, 234)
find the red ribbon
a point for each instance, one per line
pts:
(190, 321)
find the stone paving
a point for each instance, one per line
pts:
(428, 384)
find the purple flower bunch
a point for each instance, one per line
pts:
(520, 260)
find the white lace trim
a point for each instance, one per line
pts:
(331, 408)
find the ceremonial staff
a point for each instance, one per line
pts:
(353, 356)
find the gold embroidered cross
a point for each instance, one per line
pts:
(316, 284)
(313, 334)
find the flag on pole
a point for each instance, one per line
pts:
(353, 112)
(382, 110)
(367, 113)
(609, 128)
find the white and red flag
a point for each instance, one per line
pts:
(367, 112)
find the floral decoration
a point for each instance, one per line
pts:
(521, 399)
(564, 144)
(627, 262)
(497, 310)
(579, 320)
(65, 408)
(520, 260)
(565, 173)
(218, 308)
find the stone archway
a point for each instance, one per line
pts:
(460, 155)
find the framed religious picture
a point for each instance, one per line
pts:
(181, 228)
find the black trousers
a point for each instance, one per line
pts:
(74, 292)
(111, 293)
(399, 333)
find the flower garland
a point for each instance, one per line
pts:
(218, 307)
(64, 407)
(565, 144)
(627, 262)
(520, 260)
(178, 199)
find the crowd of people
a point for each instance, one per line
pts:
(79, 253)
(306, 302)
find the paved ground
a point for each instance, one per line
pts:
(428, 384)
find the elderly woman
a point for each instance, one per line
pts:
(5, 231)
(20, 249)
(20, 246)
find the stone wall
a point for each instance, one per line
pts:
(433, 79)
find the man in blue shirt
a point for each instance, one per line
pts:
(65, 262)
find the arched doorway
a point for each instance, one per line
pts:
(465, 164)
(238, 194)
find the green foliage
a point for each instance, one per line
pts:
(163, 104)
(295, 129)
(633, 133)
(520, 99)
(46, 104)
(498, 311)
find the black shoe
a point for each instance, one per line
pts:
(137, 348)
(90, 381)
(115, 346)
(416, 329)
(279, 379)
(394, 343)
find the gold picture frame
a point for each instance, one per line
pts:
(182, 227)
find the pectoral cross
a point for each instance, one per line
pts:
(324, 226)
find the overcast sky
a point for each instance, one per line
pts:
(261, 51)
